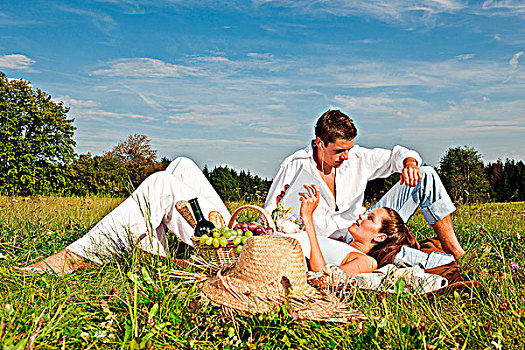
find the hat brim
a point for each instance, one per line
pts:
(314, 305)
(252, 289)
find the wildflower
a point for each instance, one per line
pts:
(295, 315)
(504, 306)
(518, 236)
(85, 336)
(514, 266)
(2, 332)
(14, 201)
(496, 345)
(101, 334)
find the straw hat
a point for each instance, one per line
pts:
(271, 270)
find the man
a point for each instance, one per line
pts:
(345, 168)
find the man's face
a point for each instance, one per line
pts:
(335, 153)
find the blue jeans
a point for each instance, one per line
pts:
(429, 194)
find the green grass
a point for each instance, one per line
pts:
(135, 304)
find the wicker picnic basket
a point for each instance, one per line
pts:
(226, 256)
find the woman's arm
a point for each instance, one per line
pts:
(352, 264)
(309, 202)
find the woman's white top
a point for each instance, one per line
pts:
(333, 251)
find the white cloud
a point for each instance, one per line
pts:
(144, 68)
(403, 115)
(260, 55)
(16, 61)
(514, 5)
(76, 103)
(409, 14)
(517, 122)
(224, 115)
(514, 61)
(435, 75)
(100, 20)
(213, 59)
(368, 41)
(132, 7)
(465, 57)
(379, 104)
(14, 20)
(100, 115)
(274, 107)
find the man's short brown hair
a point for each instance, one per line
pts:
(333, 125)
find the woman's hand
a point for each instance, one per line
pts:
(309, 201)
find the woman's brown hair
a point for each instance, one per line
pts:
(398, 235)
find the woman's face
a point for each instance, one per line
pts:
(367, 227)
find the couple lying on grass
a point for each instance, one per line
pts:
(336, 206)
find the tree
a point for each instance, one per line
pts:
(234, 187)
(36, 139)
(507, 180)
(225, 182)
(96, 175)
(463, 174)
(136, 156)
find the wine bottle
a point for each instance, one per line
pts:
(203, 226)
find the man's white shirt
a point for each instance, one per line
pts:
(363, 165)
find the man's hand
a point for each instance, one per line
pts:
(411, 174)
(281, 195)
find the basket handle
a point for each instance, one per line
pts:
(263, 211)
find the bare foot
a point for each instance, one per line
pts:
(61, 263)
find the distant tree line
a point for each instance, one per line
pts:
(237, 187)
(37, 157)
(467, 179)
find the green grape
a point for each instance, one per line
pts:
(243, 240)
(227, 234)
(215, 242)
(223, 242)
(237, 240)
(203, 239)
(240, 232)
(209, 241)
(238, 249)
(248, 233)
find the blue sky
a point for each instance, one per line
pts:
(242, 82)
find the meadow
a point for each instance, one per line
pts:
(133, 303)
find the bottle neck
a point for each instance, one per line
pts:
(196, 209)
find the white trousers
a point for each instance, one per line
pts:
(144, 218)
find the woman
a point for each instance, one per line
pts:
(380, 234)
